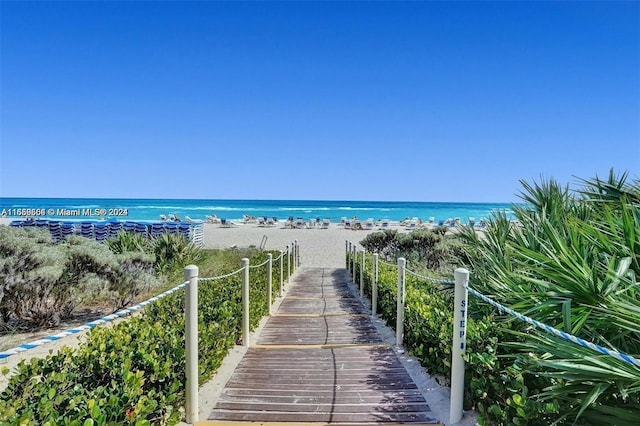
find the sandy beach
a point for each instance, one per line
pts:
(318, 247)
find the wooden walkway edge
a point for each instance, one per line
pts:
(320, 360)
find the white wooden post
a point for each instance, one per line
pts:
(245, 302)
(362, 273)
(297, 254)
(460, 300)
(355, 258)
(281, 272)
(269, 278)
(374, 286)
(288, 265)
(400, 302)
(191, 340)
(293, 257)
(347, 246)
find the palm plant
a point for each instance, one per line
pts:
(173, 251)
(570, 260)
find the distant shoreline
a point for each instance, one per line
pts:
(151, 210)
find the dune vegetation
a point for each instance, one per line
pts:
(569, 259)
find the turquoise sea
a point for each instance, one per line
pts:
(151, 209)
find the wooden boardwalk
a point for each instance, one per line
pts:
(320, 359)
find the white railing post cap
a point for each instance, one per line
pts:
(190, 271)
(461, 274)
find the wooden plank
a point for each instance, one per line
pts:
(311, 346)
(377, 417)
(310, 386)
(325, 393)
(329, 397)
(321, 376)
(357, 407)
(320, 359)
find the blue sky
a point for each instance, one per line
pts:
(424, 101)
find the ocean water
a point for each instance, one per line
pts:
(151, 209)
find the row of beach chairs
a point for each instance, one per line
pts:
(300, 223)
(101, 231)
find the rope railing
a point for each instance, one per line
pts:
(222, 276)
(564, 335)
(460, 321)
(430, 279)
(393, 265)
(258, 266)
(119, 314)
(104, 320)
(191, 316)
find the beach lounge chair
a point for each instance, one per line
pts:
(157, 229)
(86, 229)
(55, 229)
(368, 224)
(249, 219)
(101, 231)
(384, 224)
(212, 219)
(325, 224)
(184, 228)
(300, 223)
(481, 225)
(114, 228)
(142, 229)
(171, 227)
(224, 223)
(271, 222)
(129, 226)
(67, 229)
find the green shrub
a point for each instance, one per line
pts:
(125, 242)
(570, 260)
(133, 276)
(42, 282)
(424, 249)
(174, 252)
(134, 372)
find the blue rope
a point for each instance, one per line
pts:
(621, 356)
(89, 325)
